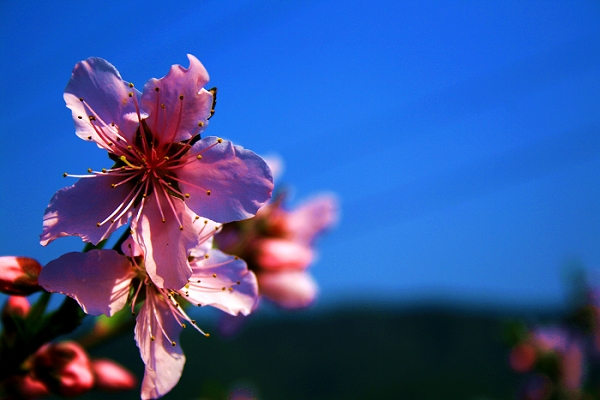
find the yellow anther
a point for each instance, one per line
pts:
(187, 195)
(208, 192)
(219, 140)
(89, 170)
(103, 170)
(199, 157)
(98, 224)
(214, 275)
(113, 185)
(164, 220)
(130, 94)
(200, 124)
(65, 175)
(180, 227)
(166, 158)
(207, 334)
(223, 288)
(124, 159)
(130, 84)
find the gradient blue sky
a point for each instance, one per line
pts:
(462, 137)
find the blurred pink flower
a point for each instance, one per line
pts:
(278, 246)
(162, 166)
(112, 377)
(19, 275)
(101, 281)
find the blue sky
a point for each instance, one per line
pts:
(462, 137)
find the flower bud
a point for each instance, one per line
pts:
(112, 377)
(64, 367)
(19, 275)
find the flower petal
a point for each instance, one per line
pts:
(224, 282)
(164, 244)
(312, 218)
(164, 360)
(106, 98)
(99, 279)
(276, 254)
(227, 183)
(177, 105)
(288, 289)
(76, 210)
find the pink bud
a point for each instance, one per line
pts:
(64, 367)
(19, 275)
(112, 377)
(16, 306)
(29, 387)
(282, 254)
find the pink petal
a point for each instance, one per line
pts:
(99, 279)
(164, 244)
(76, 210)
(186, 104)
(228, 183)
(312, 218)
(224, 282)
(288, 289)
(164, 361)
(107, 97)
(281, 254)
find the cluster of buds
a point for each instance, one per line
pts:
(62, 368)
(65, 369)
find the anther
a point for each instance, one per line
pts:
(81, 99)
(206, 257)
(65, 175)
(231, 289)
(181, 97)
(164, 220)
(152, 338)
(166, 158)
(223, 288)
(130, 94)
(180, 227)
(207, 334)
(183, 326)
(80, 117)
(187, 195)
(92, 118)
(238, 282)
(157, 89)
(113, 185)
(103, 170)
(208, 192)
(89, 138)
(199, 157)
(219, 140)
(89, 170)
(130, 84)
(98, 224)
(200, 124)
(214, 275)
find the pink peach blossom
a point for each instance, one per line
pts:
(217, 280)
(278, 245)
(161, 166)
